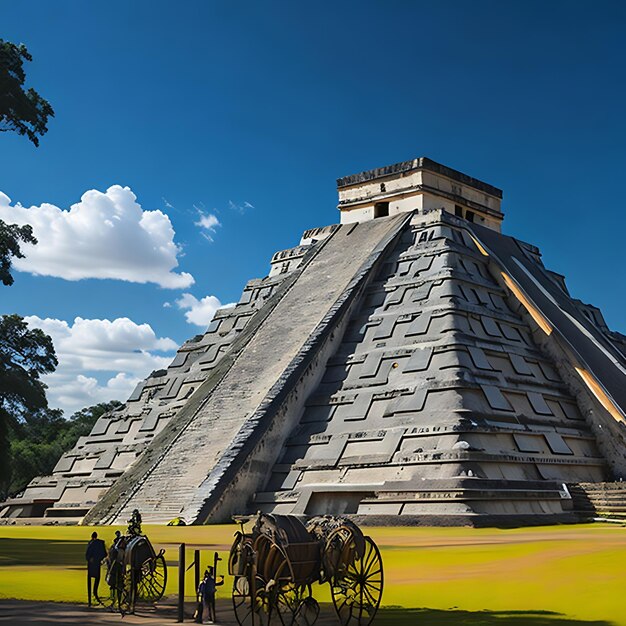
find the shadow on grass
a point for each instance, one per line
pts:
(47, 613)
(42, 552)
(398, 616)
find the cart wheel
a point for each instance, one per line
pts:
(239, 556)
(115, 581)
(343, 545)
(108, 598)
(308, 612)
(357, 587)
(151, 585)
(250, 611)
(126, 593)
(295, 606)
(273, 574)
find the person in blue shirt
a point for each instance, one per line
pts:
(94, 555)
(206, 595)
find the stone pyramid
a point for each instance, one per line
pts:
(411, 365)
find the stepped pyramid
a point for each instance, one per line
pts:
(411, 365)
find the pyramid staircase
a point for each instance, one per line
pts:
(599, 500)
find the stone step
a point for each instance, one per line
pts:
(607, 506)
(604, 497)
(601, 496)
(620, 491)
(607, 502)
(599, 499)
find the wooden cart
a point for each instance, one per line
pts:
(276, 562)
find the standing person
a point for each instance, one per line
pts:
(114, 549)
(210, 585)
(134, 523)
(116, 541)
(200, 598)
(95, 553)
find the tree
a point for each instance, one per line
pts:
(24, 112)
(25, 354)
(10, 237)
(33, 448)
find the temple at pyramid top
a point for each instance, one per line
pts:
(410, 365)
(418, 185)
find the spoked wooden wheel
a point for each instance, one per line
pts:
(273, 575)
(342, 545)
(357, 587)
(151, 585)
(295, 605)
(107, 599)
(126, 593)
(250, 602)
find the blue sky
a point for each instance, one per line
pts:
(249, 111)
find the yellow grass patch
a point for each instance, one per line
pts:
(578, 572)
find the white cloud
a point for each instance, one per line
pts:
(105, 235)
(199, 312)
(100, 360)
(72, 393)
(208, 222)
(240, 208)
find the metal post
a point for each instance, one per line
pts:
(196, 570)
(181, 582)
(216, 558)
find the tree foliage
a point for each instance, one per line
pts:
(11, 235)
(38, 441)
(27, 113)
(22, 111)
(25, 354)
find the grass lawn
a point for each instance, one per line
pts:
(528, 577)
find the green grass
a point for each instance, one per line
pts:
(560, 574)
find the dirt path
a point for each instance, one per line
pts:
(47, 613)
